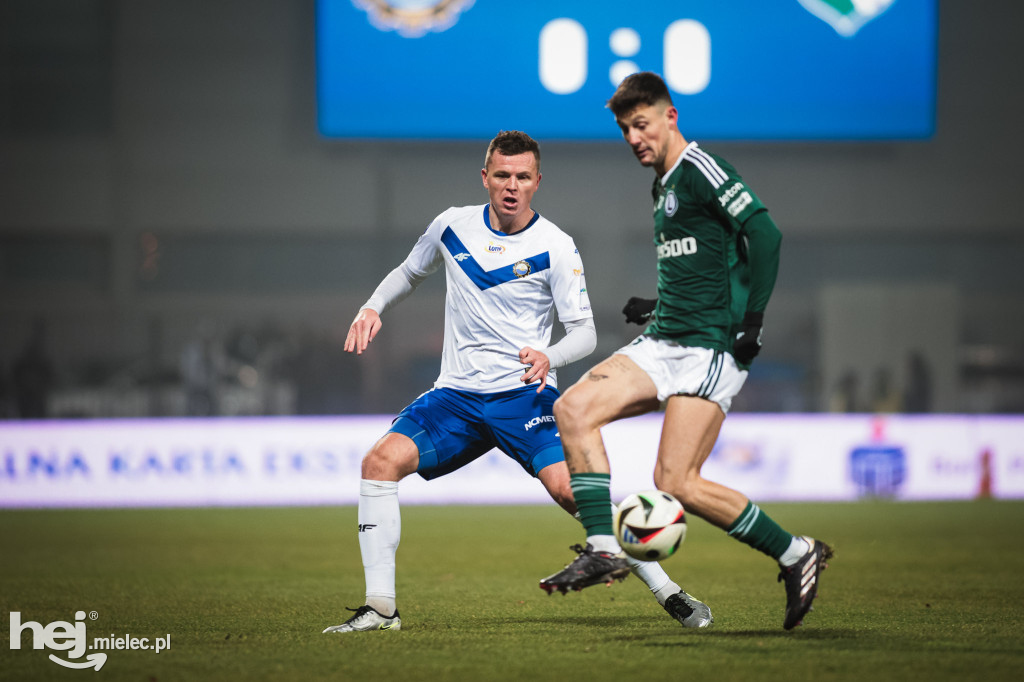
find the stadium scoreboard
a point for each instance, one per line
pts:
(741, 70)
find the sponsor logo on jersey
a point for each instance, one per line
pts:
(495, 248)
(739, 203)
(538, 420)
(671, 203)
(577, 271)
(728, 194)
(844, 16)
(485, 279)
(677, 247)
(413, 18)
(521, 269)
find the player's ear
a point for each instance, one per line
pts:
(672, 114)
(483, 176)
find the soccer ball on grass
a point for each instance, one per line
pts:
(650, 525)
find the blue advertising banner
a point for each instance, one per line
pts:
(741, 70)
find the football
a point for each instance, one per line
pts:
(650, 525)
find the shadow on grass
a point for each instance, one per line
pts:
(558, 621)
(816, 633)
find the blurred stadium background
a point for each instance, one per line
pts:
(177, 238)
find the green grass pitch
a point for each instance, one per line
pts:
(917, 591)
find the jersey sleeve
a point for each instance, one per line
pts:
(426, 256)
(424, 259)
(759, 238)
(568, 283)
(763, 242)
(736, 202)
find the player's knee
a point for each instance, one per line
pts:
(390, 459)
(563, 496)
(686, 489)
(555, 478)
(571, 411)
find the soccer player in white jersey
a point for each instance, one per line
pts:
(509, 271)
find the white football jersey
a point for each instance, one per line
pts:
(503, 291)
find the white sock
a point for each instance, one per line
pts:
(666, 591)
(651, 572)
(797, 548)
(654, 576)
(604, 543)
(380, 529)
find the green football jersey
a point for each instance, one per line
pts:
(703, 277)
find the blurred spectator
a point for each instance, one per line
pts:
(845, 396)
(885, 398)
(200, 371)
(326, 379)
(918, 394)
(7, 407)
(33, 375)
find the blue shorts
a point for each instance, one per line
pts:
(452, 428)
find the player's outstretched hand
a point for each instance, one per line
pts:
(748, 340)
(639, 310)
(539, 366)
(363, 329)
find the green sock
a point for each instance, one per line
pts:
(758, 530)
(593, 496)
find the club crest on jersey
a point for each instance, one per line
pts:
(495, 248)
(671, 203)
(413, 18)
(521, 269)
(846, 16)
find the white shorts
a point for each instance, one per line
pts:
(687, 370)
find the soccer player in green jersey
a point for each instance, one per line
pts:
(718, 256)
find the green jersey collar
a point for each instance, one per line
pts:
(664, 178)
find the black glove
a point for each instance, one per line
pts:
(639, 310)
(748, 340)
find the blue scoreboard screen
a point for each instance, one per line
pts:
(740, 70)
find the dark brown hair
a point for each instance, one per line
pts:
(512, 143)
(639, 89)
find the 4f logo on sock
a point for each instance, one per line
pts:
(366, 526)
